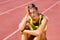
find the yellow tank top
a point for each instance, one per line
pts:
(36, 27)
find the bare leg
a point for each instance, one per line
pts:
(42, 37)
(36, 38)
(24, 37)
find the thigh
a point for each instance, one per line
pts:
(36, 38)
(24, 36)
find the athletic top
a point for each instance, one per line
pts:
(34, 27)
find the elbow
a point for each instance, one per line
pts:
(20, 28)
(38, 34)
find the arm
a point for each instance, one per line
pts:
(22, 24)
(43, 25)
(39, 30)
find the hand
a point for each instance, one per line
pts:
(27, 11)
(33, 32)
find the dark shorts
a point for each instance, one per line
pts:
(31, 37)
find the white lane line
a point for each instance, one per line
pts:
(12, 10)
(4, 2)
(11, 34)
(17, 7)
(51, 7)
(18, 29)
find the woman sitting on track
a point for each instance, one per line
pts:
(33, 26)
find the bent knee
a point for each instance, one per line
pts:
(37, 38)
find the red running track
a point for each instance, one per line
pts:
(11, 17)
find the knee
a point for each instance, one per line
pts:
(37, 38)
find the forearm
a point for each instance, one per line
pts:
(31, 32)
(23, 23)
(43, 25)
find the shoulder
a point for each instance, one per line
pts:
(44, 16)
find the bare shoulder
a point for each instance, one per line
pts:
(45, 17)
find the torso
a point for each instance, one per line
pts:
(28, 28)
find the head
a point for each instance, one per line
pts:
(33, 12)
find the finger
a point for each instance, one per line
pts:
(27, 11)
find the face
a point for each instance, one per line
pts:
(34, 14)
